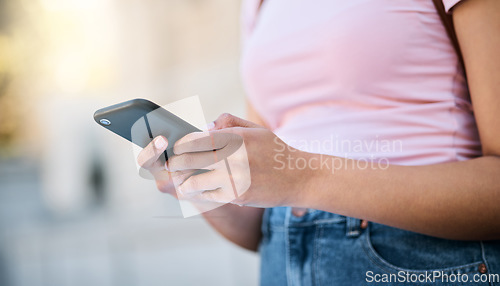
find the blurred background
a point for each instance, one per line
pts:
(73, 210)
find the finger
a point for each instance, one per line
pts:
(205, 182)
(227, 120)
(202, 202)
(166, 186)
(150, 154)
(167, 181)
(203, 160)
(180, 176)
(159, 174)
(189, 161)
(219, 195)
(204, 141)
(157, 169)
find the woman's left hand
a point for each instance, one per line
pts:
(246, 163)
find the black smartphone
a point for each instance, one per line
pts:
(140, 120)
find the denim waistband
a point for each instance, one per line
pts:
(282, 217)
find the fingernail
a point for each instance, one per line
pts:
(211, 125)
(160, 143)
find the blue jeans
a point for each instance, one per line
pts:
(321, 248)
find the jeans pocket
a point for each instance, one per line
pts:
(395, 251)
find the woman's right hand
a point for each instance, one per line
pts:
(149, 160)
(241, 224)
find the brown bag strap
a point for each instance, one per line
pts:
(447, 20)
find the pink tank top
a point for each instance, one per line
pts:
(363, 79)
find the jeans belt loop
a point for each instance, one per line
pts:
(352, 227)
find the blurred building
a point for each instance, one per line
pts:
(73, 210)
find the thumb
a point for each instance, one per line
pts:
(227, 120)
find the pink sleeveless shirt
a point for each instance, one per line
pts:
(362, 79)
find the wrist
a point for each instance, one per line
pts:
(307, 180)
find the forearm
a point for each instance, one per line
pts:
(459, 200)
(240, 225)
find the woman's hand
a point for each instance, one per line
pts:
(241, 225)
(254, 155)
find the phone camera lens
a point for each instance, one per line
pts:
(105, 122)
